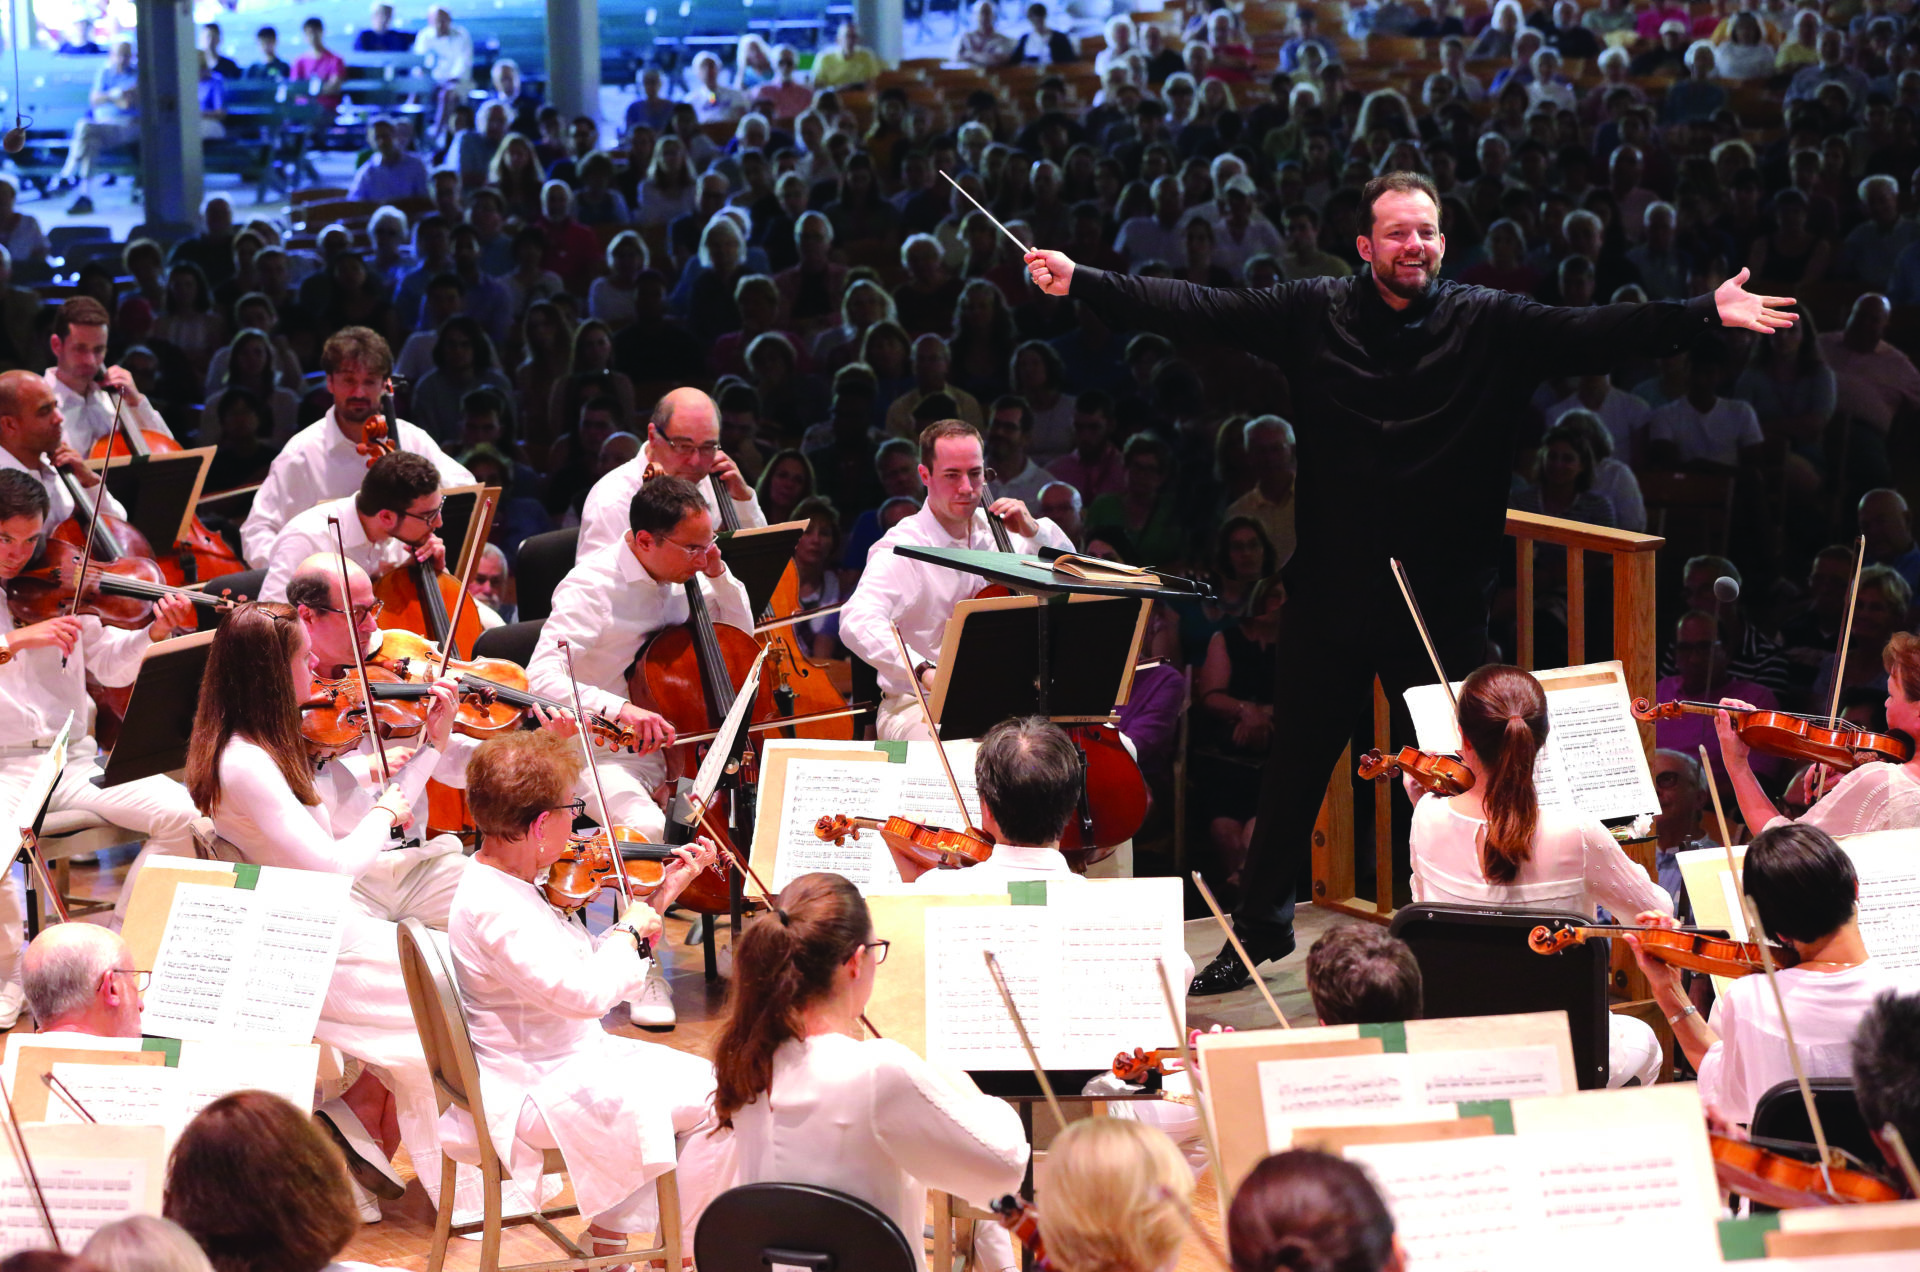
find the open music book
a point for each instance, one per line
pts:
(236, 950)
(91, 1175)
(1593, 760)
(1096, 570)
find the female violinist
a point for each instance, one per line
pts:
(1495, 844)
(1112, 1195)
(812, 1100)
(1875, 796)
(535, 986)
(1803, 886)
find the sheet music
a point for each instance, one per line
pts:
(1500, 1073)
(84, 1194)
(195, 962)
(1419, 1086)
(817, 787)
(120, 1094)
(967, 1023)
(1889, 902)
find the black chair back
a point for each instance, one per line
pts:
(543, 561)
(756, 1226)
(242, 585)
(1782, 1115)
(512, 641)
(1474, 961)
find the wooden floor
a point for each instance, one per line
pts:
(403, 1238)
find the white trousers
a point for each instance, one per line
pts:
(629, 781)
(1633, 1051)
(901, 720)
(156, 807)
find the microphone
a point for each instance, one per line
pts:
(15, 141)
(1726, 591)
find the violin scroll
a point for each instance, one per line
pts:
(1544, 940)
(836, 829)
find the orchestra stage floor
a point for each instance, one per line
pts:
(403, 1238)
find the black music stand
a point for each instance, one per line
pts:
(159, 722)
(457, 530)
(993, 662)
(758, 556)
(1034, 576)
(159, 492)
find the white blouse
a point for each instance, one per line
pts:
(344, 833)
(1575, 865)
(1877, 796)
(873, 1119)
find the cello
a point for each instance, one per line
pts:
(800, 684)
(200, 554)
(420, 597)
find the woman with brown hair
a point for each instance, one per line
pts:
(812, 1100)
(1496, 845)
(1308, 1211)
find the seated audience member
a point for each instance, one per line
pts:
(1112, 1196)
(1886, 1071)
(1703, 427)
(80, 979)
(1310, 1212)
(1358, 975)
(1702, 674)
(144, 1243)
(1802, 887)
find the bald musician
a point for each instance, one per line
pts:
(33, 441)
(683, 438)
(81, 979)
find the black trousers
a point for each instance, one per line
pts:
(1333, 642)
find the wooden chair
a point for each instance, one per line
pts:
(438, 1014)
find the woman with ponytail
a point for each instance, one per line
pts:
(1495, 845)
(812, 1099)
(1305, 1211)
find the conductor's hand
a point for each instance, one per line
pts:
(1732, 749)
(1014, 515)
(644, 920)
(1052, 272)
(1741, 308)
(650, 731)
(61, 633)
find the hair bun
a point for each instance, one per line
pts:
(1296, 1254)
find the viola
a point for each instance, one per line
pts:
(494, 697)
(1689, 949)
(916, 848)
(586, 868)
(1022, 1218)
(1442, 775)
(1139, 1066)
(333, 719)
(199, 554)
(1778, 1173)
(1803, 739)
(47, 589)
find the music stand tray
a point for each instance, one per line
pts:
(159, 723)
(758, 557)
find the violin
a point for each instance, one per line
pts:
(916, 848)
(1140, 1067)
(494, 697)
(200, 554)
(586, 868)
(333, 719)
(1801, 738)
(1442, 775)
(1689, 949)
(1022, 1218)
(47, 589)
(1778, 1173)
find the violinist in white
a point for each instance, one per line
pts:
(535, 985)
(683, 440)
(919, 597)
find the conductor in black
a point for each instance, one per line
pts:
(1406, 393)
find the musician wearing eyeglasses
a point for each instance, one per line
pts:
(393, 520)
(683, 440)
(81, 979)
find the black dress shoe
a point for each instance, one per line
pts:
(1227, 973)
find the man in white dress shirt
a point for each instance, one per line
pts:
(1028, 773)
(321, 460)
(32, 442)
(43, 681)
(920, 597)
(79, 344)
(389, 523)
(683, 438)
(81, 979)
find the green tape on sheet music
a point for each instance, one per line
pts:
(170, 1047)
(1392, 1036)
(896, 752)
(246, 875)
(1746, 1238)
(1501, 1111)
(1028, 892)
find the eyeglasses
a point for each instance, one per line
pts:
(691, 549)
(430, 516)
(880, 950)
(140, 979)
(361, 613)
(685, 449)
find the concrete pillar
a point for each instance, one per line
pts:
(573, 57)
(880, 28)
(172, 172)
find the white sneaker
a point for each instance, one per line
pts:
(653, 1009)
(367, 1204)
(13, 997)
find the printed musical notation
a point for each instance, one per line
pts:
(1399, 1087)
(816, 786)
(84, 1194)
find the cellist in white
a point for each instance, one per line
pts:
(535, 986)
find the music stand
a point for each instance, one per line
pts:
(991, 660)
(759, 556)
(159, 721)
(1034, 576)
(159, 492)
(457, 529)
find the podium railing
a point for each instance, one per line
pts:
(1631, 558)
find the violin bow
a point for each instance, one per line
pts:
(93, 518)
(1840, 664)
(926, 712)
(359, 654)
(17, 1142)
(1206, 894)
(1898, 1143)
(1420, 624)
(593, 765)
(1020, 1027)
(1759, 938)
(1199, 1083)
(460, 607)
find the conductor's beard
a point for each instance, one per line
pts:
(1408, 277)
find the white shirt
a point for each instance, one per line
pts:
(1872, 797)
(535, 987)
(61, 503)
(37, 693)
(450, 56)
(1009, 863)
(603, 517)
(918, 596)
(720, 105)
(1231, 252)
(1575, 864)
(1718, 436)
(88, 418)
(309, 533)
(875, 1120)
(605, 609)
(1751, 1056)
(1624, 415)
(320, 463)
(342, 834)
